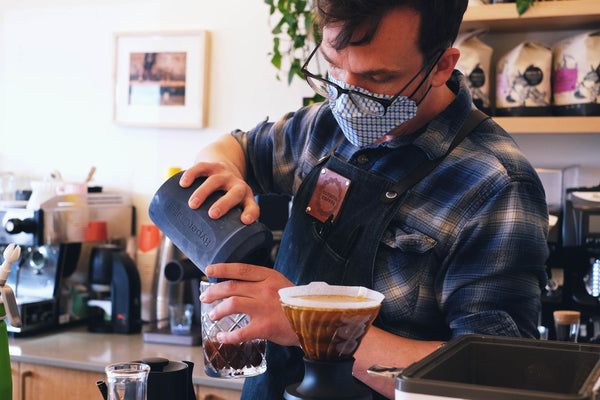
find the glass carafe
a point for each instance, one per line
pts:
(127, 380)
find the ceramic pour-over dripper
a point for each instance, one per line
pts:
(330, 321)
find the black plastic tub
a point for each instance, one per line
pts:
(479, 367)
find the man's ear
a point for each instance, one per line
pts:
(443, 70)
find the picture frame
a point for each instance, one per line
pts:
(161, 79)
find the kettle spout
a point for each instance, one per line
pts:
(103, 389)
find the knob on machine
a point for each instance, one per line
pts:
(16, 225)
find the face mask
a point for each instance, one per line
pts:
(363, 129)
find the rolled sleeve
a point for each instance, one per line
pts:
(279, 154)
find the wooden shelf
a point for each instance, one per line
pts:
(549, 124)
(544, 15)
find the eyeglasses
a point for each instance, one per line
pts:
(367, 103)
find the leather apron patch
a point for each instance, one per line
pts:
(329, 195)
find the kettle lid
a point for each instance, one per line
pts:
(169, 379)
(162, 365)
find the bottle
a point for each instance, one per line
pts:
(146, 254)
(5, 375)
(10, 311)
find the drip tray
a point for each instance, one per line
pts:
(479, 367)
(164, 336)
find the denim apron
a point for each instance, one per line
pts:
(339, 253)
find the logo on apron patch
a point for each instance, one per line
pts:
(329, 195)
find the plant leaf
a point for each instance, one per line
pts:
(294, 27)
(523, 5)
(276, 60)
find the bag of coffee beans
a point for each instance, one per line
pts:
(523, 81)
(474, 62)
(576, 75)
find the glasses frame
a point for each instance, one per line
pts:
(385, 103)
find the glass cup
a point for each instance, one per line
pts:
(127, 380)
(566, 323)
(229, 360)
(180, 318)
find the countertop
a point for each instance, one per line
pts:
(79, 349)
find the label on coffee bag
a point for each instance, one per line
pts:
(474, 63)
(576, 67)
(523, 85)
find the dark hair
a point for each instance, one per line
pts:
(440, 20)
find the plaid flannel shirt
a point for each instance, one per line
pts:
(466, 251)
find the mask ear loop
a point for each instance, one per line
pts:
(425, 78)
(423, 98)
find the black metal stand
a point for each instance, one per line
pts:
(327, 380)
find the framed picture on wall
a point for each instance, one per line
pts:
(160, 79)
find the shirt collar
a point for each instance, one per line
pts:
(439, 133)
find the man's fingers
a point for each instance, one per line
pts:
(239, 273)
(189, 175)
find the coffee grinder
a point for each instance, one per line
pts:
(116, 291)
(330, 322)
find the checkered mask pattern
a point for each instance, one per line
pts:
(363, 129)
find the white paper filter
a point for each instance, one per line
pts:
(290, 296)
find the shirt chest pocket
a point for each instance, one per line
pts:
(406, 241)
(404, 273)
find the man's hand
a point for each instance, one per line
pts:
(253, 291)
(226, 177)
(224, 165)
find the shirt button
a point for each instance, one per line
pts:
(391, 195)
(362, 159)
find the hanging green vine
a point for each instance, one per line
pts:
(293, 30)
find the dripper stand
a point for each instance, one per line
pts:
(327, 380)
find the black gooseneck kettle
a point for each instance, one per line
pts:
(169, 380)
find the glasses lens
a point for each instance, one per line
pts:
(367, 104)
(320, 87)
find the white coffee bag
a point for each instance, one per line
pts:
(523, 81)
(576, 75)
(474, 62)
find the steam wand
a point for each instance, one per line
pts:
(7, 296)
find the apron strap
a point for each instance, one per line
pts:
(474, 119)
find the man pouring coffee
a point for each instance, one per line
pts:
(398, 185)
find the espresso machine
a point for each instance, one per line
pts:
(574, 262)
(50, 279)
(581, 256)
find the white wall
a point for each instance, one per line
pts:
(56, 90)
(56, 87)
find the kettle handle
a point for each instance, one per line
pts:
(191, 393)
